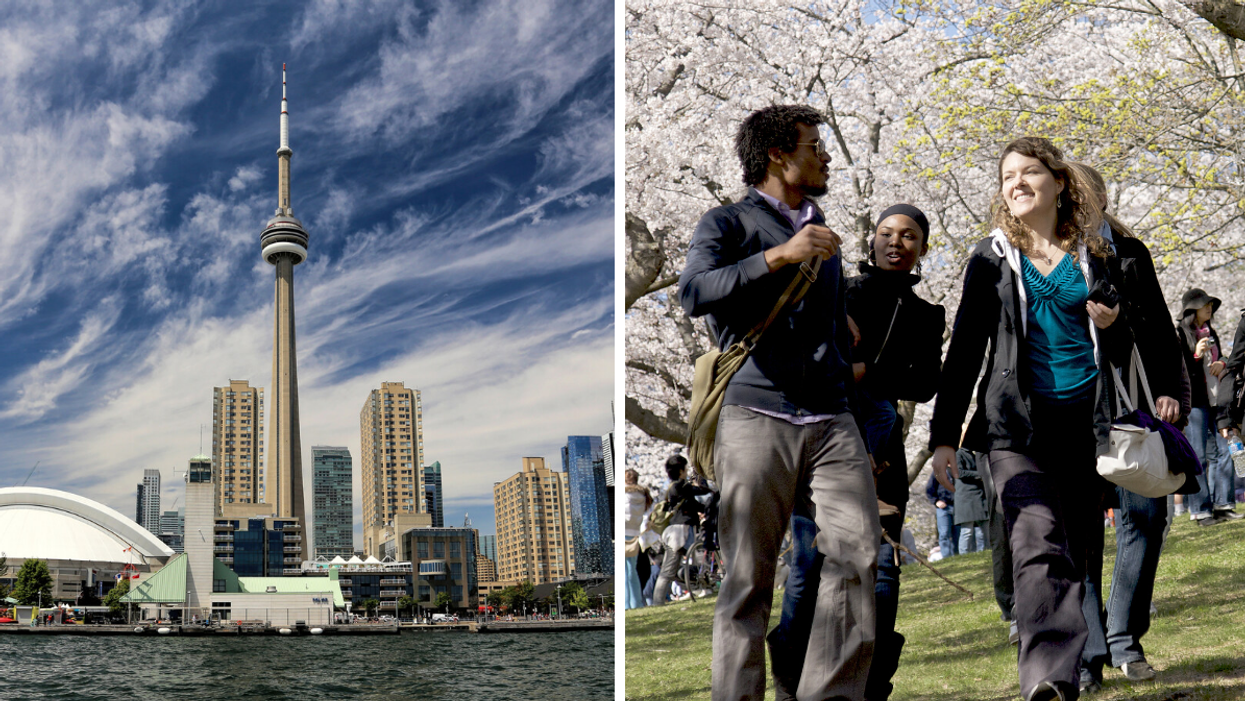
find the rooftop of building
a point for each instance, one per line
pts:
(50, 524)
(168, 585)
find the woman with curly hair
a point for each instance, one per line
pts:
(1037, 294)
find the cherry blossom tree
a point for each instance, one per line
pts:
(920, 96)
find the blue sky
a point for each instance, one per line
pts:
(453, 163)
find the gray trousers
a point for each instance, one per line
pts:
(764, 466)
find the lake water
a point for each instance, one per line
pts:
(573, 666)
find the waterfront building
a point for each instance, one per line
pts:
(444, 560)
(199, 582)
(392, 460)
(147, 509)
(238, 444)
(534, 541)
(360, 580)
(332, 501)
(172, 529)
(432, 494)
(259, 547)
(84, 543)
(589, 505)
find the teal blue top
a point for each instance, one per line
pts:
(1061, 352)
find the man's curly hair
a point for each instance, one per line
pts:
(771, 127)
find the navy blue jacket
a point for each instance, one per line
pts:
(800, 366)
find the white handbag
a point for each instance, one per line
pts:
(1136, 458)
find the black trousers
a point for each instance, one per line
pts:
(1051, 496)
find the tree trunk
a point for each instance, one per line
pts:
(644, 259)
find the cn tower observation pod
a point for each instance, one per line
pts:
(283, 234)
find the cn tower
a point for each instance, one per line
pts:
(284, 245)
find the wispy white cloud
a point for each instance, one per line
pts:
(137, 264)
(37, 390)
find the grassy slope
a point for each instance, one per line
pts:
(957, 649)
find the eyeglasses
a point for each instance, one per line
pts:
(820, 144)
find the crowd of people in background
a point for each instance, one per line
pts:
(1060, 303)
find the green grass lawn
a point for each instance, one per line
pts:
(957, 649)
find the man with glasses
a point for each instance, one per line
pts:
(786, 439)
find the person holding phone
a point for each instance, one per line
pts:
(1038, 296)
(1211, 383)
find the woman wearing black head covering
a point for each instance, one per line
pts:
(897, 357)
(1215, 500)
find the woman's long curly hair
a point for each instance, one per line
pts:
(1091, 180)
(1078, 214)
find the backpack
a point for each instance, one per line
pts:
(661, 514)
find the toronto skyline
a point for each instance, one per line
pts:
(454, 169)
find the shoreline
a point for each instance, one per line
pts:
(163, 630)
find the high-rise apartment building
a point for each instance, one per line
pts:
(172, 530)
(432, 494)
(392, 460)
(488, 547)
(332, 501)
(589, 505)
(238, 444)
(607, 454)
(147, 508)
(534, 541)
(486, 569)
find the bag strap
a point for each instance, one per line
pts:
(791, 296)
(1137, 369)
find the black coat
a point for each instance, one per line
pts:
(689, 512)
(1201, 396)
(990, 318)
(1236, 371)
(935, 492)
(1132, 270)
(970, 492)
(901, 334)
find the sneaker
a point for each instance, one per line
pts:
(1209, 521)
(1090, 683)
(1181, 509)
(1228, 514)
(1013, 634)
(1139, 671)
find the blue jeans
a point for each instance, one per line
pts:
(1215, 482)
(635, 591)
(972, 537)
(948, 532)
(1138, 541)
(878, 417)
(800, 599)
(1115, 632)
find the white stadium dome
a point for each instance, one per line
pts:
(49, 524)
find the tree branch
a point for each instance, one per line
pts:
(1225, 15)
(666, 428)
